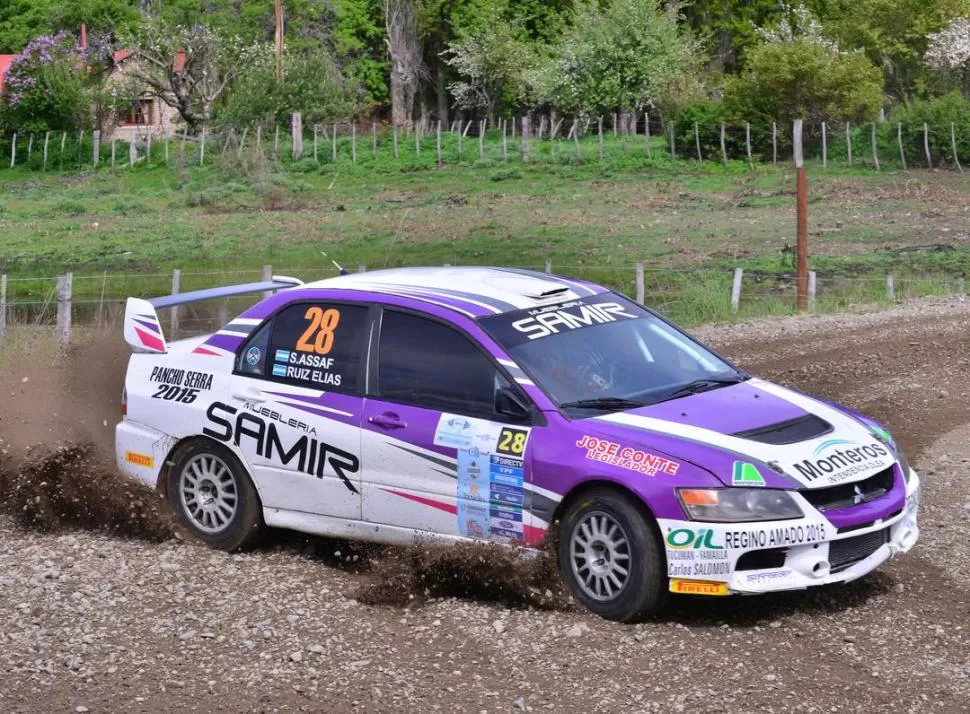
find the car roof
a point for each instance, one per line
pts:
(479, 291)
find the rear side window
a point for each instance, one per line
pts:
(315, 345)
(429, 364)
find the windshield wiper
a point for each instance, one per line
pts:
(703, 385)
(612, 404)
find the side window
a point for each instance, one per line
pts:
(252, 360)
(318, 345)
(432, 365)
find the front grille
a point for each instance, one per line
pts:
(791, 431)
(846, 495)
(845, 552)
(762, 559)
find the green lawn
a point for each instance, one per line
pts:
(689, 223)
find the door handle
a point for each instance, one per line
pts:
(249, 395)
(387, 421)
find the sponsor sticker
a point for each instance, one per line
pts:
(626, 457)
(767, 577)
(282, 355)
(835, 460)
(253, 355)
(279, 370)
(453, 430)
(775, 537)
(746, 474)
(697, 587)
(139, 459)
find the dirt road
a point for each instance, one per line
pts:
(90, 622)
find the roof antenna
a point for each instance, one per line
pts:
(336, 264)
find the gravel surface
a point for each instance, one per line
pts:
(96, 622)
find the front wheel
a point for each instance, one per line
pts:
(611, 556)
(214, 497)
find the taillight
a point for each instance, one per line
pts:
(124, 402)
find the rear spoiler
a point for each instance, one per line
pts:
(143, 331)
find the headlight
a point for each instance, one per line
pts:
(733, 505)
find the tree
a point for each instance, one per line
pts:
(949, 53)
(188, 68)
(407, 67)
(21, 20)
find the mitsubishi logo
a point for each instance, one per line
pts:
(857, 495)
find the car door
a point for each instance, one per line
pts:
(437, 455)
(294, 407)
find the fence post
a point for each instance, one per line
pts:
(724, 158)
(801, 219)
(438, 143)
(259, 140)
(176, 289)
(202, 145)
(30, 145)
(673, 148)
(47, 138)
(132, 153)
(825, 146)
(848, 143)
(316, 133)
(114, 146)
(96, 150)
(266, 275)
(736, 289)
(505, 145)
(875, 153)
(890, 288)
(811, 290)
(575, 132)
(953, 143)
(697, 142)
(526, 130)
(373, 139)
(361, 268)
(641, 296)
(353, 142)
(747, 142)
(417, 139)
(296, 133)
(481, 139)
(599, 131)
(395, 140)
(774, 143)
(64, 289)
(3, 306)
(899, 140)
(460, 135)
(961, 285)
(614, 123)
(333, 144)
(926, 145)
(276, 140)
(548, 265)
(13, 151)
(646, 134)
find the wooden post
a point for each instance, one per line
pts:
(276, 140)
(575, 132)
(202, 145)
(13, 150)
(96, 150)
(438, 143)
(333, 137)
(961, 286)
(373, 139)
(316, 134)
(47, 138)
(825, 147)
(361, 268)
(811, 290)
(132, 153)
(801, 190)
(548, 266)
(505, 145)
(724, 158)
(481, 139)
(641, 292)
(953, 143)
(266, 275)
(736, 288)
(899, 140)
(63, 143)
(30, 146)
(848, 143)
(926, 145)
(747, 141)
(417, 140)
(526, 128)
(697, 142)
(646, 134)
(296, 133)
(259, 138)
(875, 153)
(114, 143)
(3, 306)
(174, 316)
(673, 148)
(395, 140)
(64, 290)
(599, 130)
(614, 123)
(460, 135)
(774, 143)
(353, 142)
(890, 288)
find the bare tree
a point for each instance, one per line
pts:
(188, 68)
(407, 66)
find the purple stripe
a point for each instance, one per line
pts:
(225, 342)
(150, 325)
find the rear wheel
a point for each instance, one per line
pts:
(214, 497)
(611, 556)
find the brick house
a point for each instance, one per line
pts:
(148, 115)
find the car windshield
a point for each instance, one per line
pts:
(606, 353)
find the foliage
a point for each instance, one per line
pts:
(797, 23)
(783, 81)
(491, 65)
(625, 55)
(21, 20)
(937, 114)
(357, 36)
(312, 84)
(949, 52)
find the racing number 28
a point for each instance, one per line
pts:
(318, 337)
(512, 441)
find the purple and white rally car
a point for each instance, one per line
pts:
(487, 404)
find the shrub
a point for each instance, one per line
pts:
(937, 114)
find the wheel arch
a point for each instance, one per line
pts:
(161, 482)
(580, 489)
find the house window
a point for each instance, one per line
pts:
(141, 113)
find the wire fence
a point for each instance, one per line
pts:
(544, 138)
(96, 301)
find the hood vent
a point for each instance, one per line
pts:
(791, 431)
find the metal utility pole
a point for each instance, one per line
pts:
(278, 11)
(801, 190)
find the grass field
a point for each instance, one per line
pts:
(689, 223)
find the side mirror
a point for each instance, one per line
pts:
(509, 404)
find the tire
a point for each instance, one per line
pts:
(233, 518)
(617, 532)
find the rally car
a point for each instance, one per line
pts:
(487, 404)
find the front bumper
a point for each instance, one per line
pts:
(805, 552)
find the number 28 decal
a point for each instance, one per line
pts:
(512, 441)
(318, 337)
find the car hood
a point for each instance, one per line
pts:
(790, 439)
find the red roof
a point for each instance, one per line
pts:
(5, 62)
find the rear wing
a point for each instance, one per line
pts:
(143, 331)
